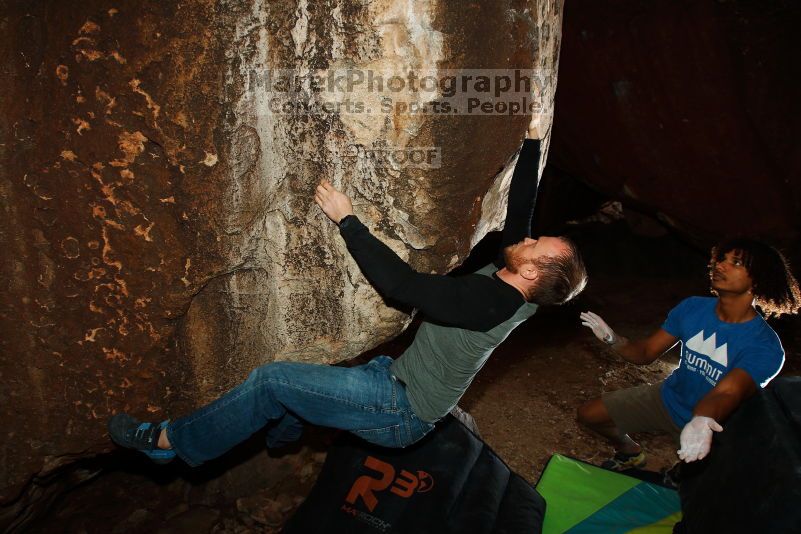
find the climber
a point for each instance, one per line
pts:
(386, 402)
(728, 351)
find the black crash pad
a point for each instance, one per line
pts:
(449, 482)
(751, 481)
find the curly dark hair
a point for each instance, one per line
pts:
(560, 278)
(775, 288)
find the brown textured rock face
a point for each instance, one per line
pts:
(158, 229)
(689, 110)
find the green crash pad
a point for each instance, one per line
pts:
(584, 498)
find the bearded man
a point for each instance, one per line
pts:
(389, 403)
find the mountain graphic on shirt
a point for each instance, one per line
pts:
(708, 347)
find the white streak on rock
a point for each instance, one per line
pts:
(300, 32)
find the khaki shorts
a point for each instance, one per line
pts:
(640, 409)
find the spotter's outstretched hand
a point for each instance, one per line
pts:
(696, 438)
(599, 327)
(335, 205)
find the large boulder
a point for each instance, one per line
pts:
(158, 229)
(689, 111)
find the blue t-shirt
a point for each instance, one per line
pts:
(710, 349)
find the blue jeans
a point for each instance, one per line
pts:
(366, 400)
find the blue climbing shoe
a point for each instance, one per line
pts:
(127, 432)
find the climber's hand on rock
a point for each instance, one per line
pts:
(540, 124)
(335, 205)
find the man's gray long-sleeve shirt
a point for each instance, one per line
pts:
(465, 317)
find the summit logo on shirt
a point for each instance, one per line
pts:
(708, 347)
(700, 352)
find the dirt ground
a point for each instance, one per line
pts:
(524, 402)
